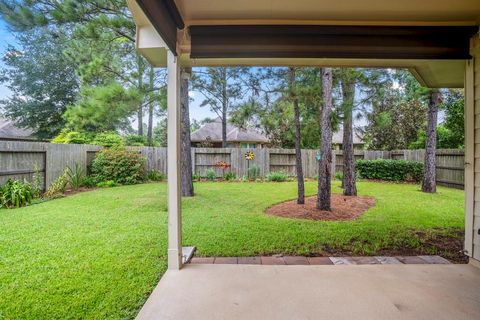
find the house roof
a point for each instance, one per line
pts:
(9, 130)
(213, 132)
(337, 137)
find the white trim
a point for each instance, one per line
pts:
(173, 164)
(469, 155)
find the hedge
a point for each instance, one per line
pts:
(390, 170)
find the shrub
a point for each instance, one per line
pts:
(154, 175)
(196, 177)
(253, 172)
(76, 176)
(37, 181)
(121, 166)
(339, 175)
(278, 176)
(70, 137)
(107, 184)
(109, 140)
(390, 170)
(90, 181)
(210, 174)
(230, 176)
(135, 140)
(15, 194)
(58, 187)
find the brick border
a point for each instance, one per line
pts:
(301, 260)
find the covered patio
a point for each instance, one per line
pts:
(437, 40)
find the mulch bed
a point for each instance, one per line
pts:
(343, 208)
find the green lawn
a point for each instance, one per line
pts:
(98, 254)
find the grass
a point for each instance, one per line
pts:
(98, 255)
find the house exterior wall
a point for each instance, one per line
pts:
(472, 121)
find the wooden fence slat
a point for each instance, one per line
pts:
(17, 159)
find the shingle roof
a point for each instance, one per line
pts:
(213, 131)
(8, 129)
(337, 137)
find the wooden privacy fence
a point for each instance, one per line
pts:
(18, 160)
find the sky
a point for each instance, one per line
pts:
(6, 38)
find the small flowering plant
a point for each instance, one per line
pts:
(222, 165)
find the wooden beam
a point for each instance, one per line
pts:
(166, 19)
(300, 41)
(173, 164)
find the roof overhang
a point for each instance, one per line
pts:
(429, 37)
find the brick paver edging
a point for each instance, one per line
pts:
(301, 260)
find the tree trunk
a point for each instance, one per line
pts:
(140, 87)
(429, 183)
(224, 107)
(325, 163)
(298, 151)
(186, 155)
(349, 184)
(150, 108)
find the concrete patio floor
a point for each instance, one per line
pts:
(209, 291)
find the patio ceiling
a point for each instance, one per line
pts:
(429, 37)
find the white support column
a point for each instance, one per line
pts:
(469, 156)
(173, 164)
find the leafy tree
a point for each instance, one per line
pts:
(71, 137)
(395, 114)
(104, 108)
(109, 139)
(453, 104)
(446, 139)
(98, 38)
(42, 81)
(135, 140)
(160, 133)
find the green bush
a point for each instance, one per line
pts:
(109, 140)
(107, 184)
(195, 176)
(37, 181)
(70, 137)
(253, 172)
(278, 176)
(154, 175)
(135, 140)
(339, 175)
(121, 166)
(230, 176)
(390, 170)
(90, 181)
(15, 194)
(58, 187)
(210, 174)
(76, 176)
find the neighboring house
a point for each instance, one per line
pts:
(337, 140)
(9, 131)
(210, 135)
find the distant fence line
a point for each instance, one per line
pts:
(18, 160)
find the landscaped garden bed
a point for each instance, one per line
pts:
(99, 254)
(343, 208)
